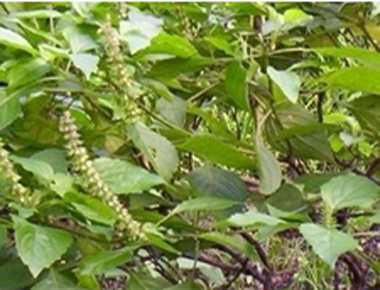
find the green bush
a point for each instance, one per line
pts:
(189, 146)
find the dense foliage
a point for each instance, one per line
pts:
(189, 146)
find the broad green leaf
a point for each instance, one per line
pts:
(367, 111)
(37, 167)
(27, 71)
(274, 22)
(221, 43)
(10, 109)
(102, 262)
(213, 149)
(56, 281)
(172, 68)
(124, 177)
(296, 17)
(350, 191)
(56, 158)
(38, 246)
(328, 244)
(160, 89)
(233, 241)
(269, 169)
(91, 208)
(157, 240)
(362, 78)
(139, 29)
(365, 56)
(13, 39)
(304, 143)
(14, 275)
(79, 41)
(251, 218)
(36, 126)
(62, 183)
(160, 152)
(171, 44)
(288, 82)
(173, 110)
(213, 181)
(236, 85)
(86, 62)
(205, 203)
(287, 198)
(311, 183)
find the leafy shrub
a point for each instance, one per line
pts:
(189, 146)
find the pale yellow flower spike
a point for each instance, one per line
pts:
(84, 166)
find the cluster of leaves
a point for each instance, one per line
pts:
(240, 139)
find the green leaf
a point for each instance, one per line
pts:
(56, 158)
(10, 109)
(160, 89)
(173, 110)
(350, 191)
(102, 262)
(139, 29)
(252, 218)
(304, 143)
(213, 181)
(236, 85)
(287, 198)
(124, 177)
(86, 62)
(296, 17)
(365, 56)
(362, 78)
(328, 244)
(311, 183)
(27, 71)
(213, 149)
(12, 39)
(172, 68)
(221, 43)
(367, 111)
(235, 242)
(269, 169)
(61, 183)
(171, 44)
(160, 152)
(56, 281)
(38, 246)
(91, 208)
(14, 275)
(206, 203)
(37, 167)
(288, 82)
(79, 41)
